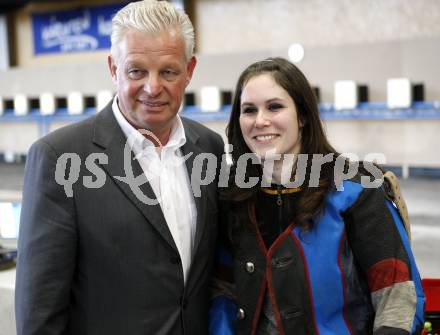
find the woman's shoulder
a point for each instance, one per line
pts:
(357, 189)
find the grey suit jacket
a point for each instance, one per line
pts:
(102, 262)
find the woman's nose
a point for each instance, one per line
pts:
(262, 119)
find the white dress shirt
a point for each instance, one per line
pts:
(166, 172)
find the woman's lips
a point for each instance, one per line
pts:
(265, 137)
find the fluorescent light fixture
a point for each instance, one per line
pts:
(346, 95)
(47, 103)
(210, 100)
(102, 99)
(296, 53)
(75, 103)
(21, 104)
(399, 93)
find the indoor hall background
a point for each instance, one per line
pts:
(367, 41)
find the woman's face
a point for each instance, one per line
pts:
(268, 118)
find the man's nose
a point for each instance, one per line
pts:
(153, 85)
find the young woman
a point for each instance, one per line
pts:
(328, 257)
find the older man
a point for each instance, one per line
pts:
(100, 250)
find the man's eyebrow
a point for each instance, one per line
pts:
(131, 63)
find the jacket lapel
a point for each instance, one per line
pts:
(109, 136)
(192, 148)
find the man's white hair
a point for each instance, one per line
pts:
(152, 17)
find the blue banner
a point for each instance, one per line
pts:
(82, 29)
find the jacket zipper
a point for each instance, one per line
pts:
(280, 209)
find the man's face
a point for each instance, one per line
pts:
(151, 73)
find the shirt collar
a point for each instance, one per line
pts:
(138, 142)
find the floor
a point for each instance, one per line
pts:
(423, 199)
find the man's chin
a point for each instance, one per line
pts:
(152, 120)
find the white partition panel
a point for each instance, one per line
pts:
(21, 104)
(75, 103)
(399, 93)
(102, 99)
(2, 106)
(210, 100)
(346, 94)
(47, 103)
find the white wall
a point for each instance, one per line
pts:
(370, 64)
(226, 26)
(365, 40)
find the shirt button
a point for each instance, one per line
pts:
(240, 314)
(250, 267)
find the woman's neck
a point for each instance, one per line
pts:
(279, 171)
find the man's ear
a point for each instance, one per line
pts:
(190, 69)
(112, 67)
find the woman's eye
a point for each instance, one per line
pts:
(248, 110)
(275, 107)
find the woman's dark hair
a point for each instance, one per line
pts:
(313, 138)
